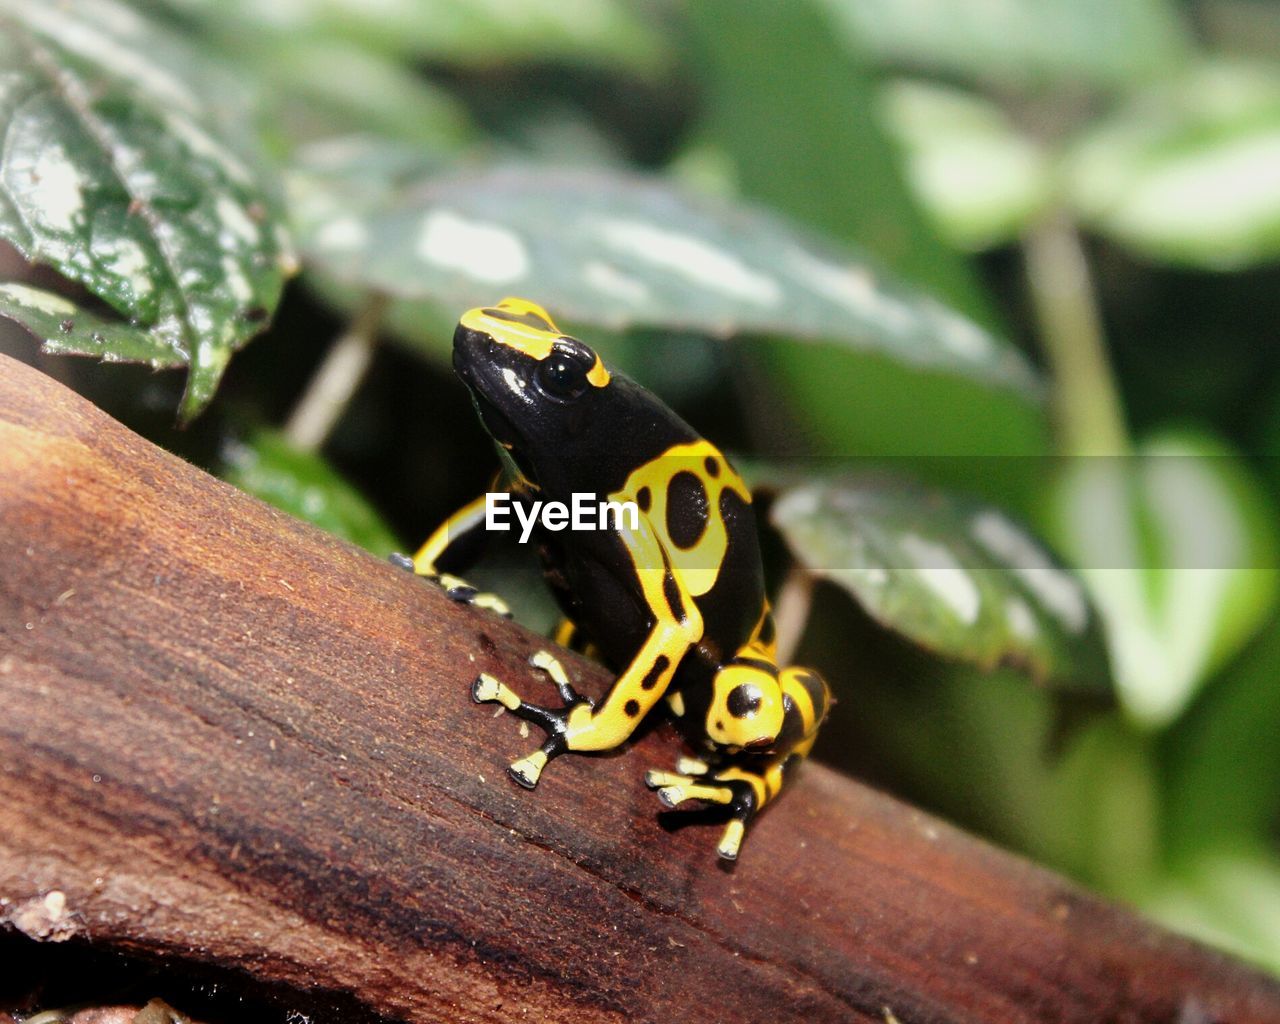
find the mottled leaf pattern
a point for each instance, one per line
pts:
(121, 168)
(68, 329)
(619, 251)
(952, 575)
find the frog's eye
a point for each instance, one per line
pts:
(563, 374)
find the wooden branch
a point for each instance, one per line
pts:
(228, 737)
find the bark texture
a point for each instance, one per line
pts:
(228, 737)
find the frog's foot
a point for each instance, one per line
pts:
(455, 588)
(555, 721)
(692, 782)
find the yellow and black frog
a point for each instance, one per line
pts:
(671, 598)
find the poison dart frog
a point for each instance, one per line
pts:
(672, 602)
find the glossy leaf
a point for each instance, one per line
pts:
(620, 251)
(1189, 171)
(981, 181)
(68, 329)
(803, 137)
(122, 168)
(1099, 42)
(306, 486)
(1177, 547)
(955, 576)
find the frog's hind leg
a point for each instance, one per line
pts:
(745, 783)
(743, 787)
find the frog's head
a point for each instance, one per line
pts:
(535, 388)
(746, 708)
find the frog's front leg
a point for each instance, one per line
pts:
(745, 782)
(465, 528)
(581, 725)
(486, 689)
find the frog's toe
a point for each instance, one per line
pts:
(528, 770)
(674, 789)
(692, 766)
(487, 690)
(550, 664)
(457, 589)
(494, 603)
(400, 561)
(554, 721)
(731, 839)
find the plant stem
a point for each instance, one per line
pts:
(1086, 405)
(1124, 819)
(337, 379)
(791, 611)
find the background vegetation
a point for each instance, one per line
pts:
(935, 268)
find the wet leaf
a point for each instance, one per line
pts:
(1104, 43)
(123, 168)
(952, 575)
(306, 486)
(620, 251)
(1188, 171)
(67, 329)
(1178, 548)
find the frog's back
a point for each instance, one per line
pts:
(700, 512)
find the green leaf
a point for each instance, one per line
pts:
(1187, 171)
(1102, 43)
(1177, 546)
(954, 576)
(805, 139)
(981, 180)
(600, 33)
(1229, 897)
(68, 329)
(319, 88)
(618, 251)
(122, 167)
(304, 485)
(1223, 775)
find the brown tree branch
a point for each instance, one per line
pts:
(229, 737)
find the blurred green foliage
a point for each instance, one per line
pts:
(1017, 257)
